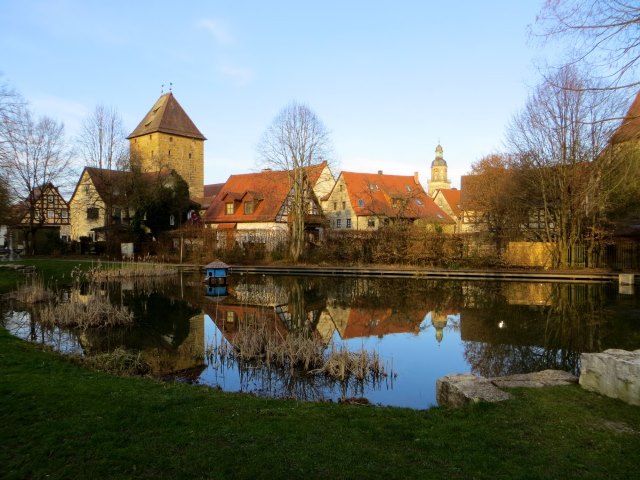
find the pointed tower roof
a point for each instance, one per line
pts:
(167, 116)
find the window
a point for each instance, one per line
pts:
(335, 205)
(64, 214)
(231, 317)
(171, 140)
(50, 198)
(371, 223)
(189, 155)
(348, 223)
(360, 202)
(87, 189)
(340, 188)
(172, 220)
(248, 207)
(169, 152)
(93, 213)
(344, 205)
(338, 223)
(419, 202)
(50, 214)
(229, 208)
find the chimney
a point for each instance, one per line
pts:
(379, 172)
(415, 178)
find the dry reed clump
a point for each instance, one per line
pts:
(97, 312)
(129, 270)
(33, 291)
(254, 341)
(119, 362)
(342, 364)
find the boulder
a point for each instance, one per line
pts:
(614, 373)
(462, 389)
(545, 378)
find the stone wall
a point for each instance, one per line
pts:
(528, 254)
(184, 155)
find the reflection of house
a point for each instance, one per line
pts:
(355, 322)
(260, 201)
(167, 138)
(362, 201)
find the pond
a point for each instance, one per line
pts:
(421, 330)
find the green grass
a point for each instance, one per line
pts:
(50, 270)
(59, 420)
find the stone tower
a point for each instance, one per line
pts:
(438, 178)
(167, 138)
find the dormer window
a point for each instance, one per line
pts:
(408, 188)
(360, 202)
(229, 208)
(248, 207)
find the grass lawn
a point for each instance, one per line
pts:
(59, 420)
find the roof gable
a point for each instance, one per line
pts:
(452, 197)
(167, 116)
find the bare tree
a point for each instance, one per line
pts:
(296, 140)
(34, 154)
(492, 194)
(604, 35)
(102, 140)
(560, 149)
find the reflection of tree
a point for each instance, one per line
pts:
(494, 360)
(523, 339)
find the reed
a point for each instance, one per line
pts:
(129, 270)
(96, 312)
(33, 291)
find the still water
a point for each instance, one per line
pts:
(422, 329)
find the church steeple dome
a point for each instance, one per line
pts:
(439, 161)
(439, 178)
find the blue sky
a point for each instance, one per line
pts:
(388, 79)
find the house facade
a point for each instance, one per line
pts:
(45, 209)
(99, 200)
(448, 199)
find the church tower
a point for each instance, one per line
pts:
(438, 178)
(167, 138)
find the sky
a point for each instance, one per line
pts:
(389, 79)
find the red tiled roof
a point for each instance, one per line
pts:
(212, 189)
(105, 181)
(167, 116)
(629, 129)
(452, 196)
(375, 194)
(268, 189)
(272, 186)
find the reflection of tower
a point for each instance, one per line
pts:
(438, 178)
(439, 322)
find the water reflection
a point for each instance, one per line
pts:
(422, 329)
